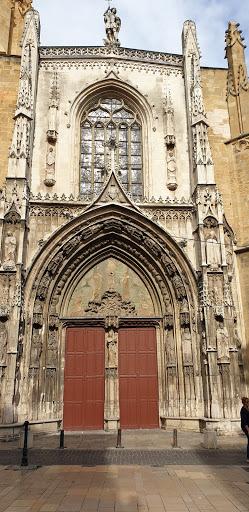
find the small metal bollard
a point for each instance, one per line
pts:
(62, 436)
(119, 439)
(175, 441)
(24, 461)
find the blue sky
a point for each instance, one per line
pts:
(146, 24)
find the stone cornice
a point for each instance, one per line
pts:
(54, 200)
(100, 52)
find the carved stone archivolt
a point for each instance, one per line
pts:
(118, 227)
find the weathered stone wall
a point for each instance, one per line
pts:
(151, 82)
(214, 92)
(5, 21)
(9, 80)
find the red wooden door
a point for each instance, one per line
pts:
(138, 381)
(84, 379)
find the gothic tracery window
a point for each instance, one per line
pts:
(111, 119)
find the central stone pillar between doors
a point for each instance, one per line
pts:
(111, 408)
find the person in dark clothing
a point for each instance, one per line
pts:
(244, 415)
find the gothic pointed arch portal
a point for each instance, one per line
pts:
(118, 366)
(81, 279)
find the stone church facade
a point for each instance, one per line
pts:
(123, 267)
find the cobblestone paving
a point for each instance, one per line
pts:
(201, 488)
(125, 457)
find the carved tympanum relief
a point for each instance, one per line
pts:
(108, 287)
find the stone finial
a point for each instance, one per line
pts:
(237, 80)
(189, 38)
(112, 26)
(233, 35)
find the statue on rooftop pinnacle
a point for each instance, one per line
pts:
(112, 26)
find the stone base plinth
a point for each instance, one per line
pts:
(112, 424)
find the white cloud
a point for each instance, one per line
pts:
(145, 24)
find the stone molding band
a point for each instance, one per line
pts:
(86, 52)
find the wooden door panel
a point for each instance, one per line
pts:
(84, 379)
(138, 380)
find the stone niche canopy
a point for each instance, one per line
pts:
(111, 287)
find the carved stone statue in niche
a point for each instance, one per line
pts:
(204, 345)
(170, 347)
(111, 343)
(36, 348)
(50, 167)
(3, 343)
(112, 27)
(229, 253)
(52, 348)
(184, 312)
(236, 343)
(55, 263)
(170, 142)
(38, 314)
(222, 339)
(179, 286)
(213, 250)
(43, 287)
(10, 244)
(187, 346)
(51, 158)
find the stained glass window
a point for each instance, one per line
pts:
(111, 119)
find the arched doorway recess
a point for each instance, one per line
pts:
(103, 233)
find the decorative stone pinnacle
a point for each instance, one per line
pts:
(233, 35)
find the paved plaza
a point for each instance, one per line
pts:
(200, 488)
(90, 474)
